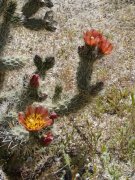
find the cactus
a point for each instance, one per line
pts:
(9, 96)
(40, 167)
(3, 4)
(34, 24)
(50, 24)
(8, 64)
(9, 11)
(11, 63)
(11, 144)
(2, 78)
(4, 27)
(57, 93)
(29, 9)
(95, 47)
(32, 6)
(13, 138)
(14, 142)
(88, 55)
(43, 66)
(40, 24)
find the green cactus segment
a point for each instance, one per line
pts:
(5, 25)
(2, 78)
(43, 66)
(9, 11)
(32, 6)
(8, 63)
(3, 4)
(88, 56)
(38, 62)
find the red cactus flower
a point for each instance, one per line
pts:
(92, 37)
(35, 118)
(105, 47)
(34, 81)
(47, 139)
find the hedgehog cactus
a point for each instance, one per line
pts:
(96, 45)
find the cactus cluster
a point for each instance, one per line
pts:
(36, 122)
(17, 139)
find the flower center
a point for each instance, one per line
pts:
(35, 122)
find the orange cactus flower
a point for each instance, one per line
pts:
(35, 118)
(95, 38)
(92, 37)
(105, 47)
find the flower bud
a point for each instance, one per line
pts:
(47, 139)
(53, 116)
(34, 81)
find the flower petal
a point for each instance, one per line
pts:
(42, 111)
(39, 110)
(30, 110)
(106, 47)
(48, 121)
(21, 117)
(45, 113)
